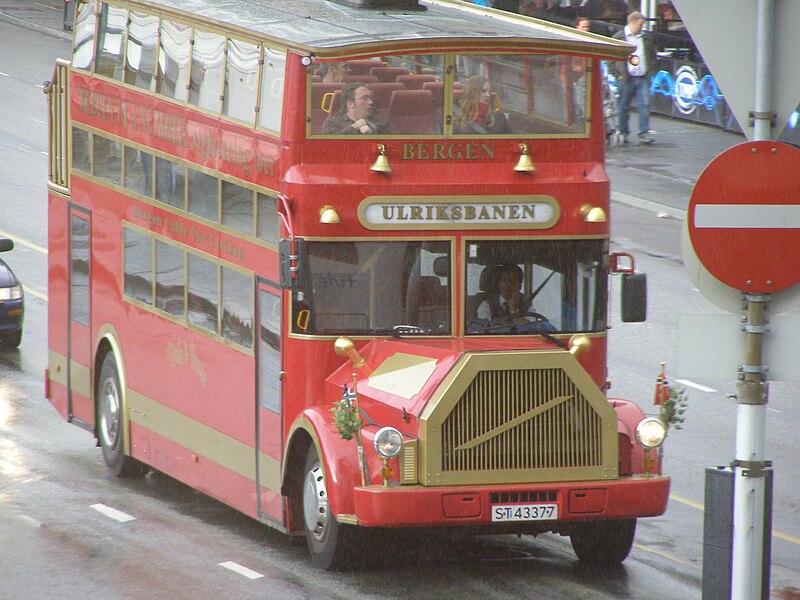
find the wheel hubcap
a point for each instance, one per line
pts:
(315, 503)
(109, 413)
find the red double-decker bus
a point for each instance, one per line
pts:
(346, 269)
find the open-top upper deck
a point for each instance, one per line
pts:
(328, 29)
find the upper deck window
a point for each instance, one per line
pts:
(111, 41)
(270, 106)
(241, 81)
(140, 56)
(487, 95)
(173, 60)
(208, 67)
(85, 25)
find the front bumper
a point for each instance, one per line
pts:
(419, 506)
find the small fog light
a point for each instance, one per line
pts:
(388, 442)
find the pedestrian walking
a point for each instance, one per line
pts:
(633, 79)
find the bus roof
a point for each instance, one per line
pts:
(331, 30)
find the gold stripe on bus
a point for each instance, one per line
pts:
(57, 367)
(204, 440)
(80, 379)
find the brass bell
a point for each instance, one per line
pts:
(524, 164)
(381, 164)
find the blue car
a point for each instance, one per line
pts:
(12, 302)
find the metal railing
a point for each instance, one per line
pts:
(57, 91)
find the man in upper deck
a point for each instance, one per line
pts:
(356, 113)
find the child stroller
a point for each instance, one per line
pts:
(610, 103)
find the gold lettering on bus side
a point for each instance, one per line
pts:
(182, 353)
(499, 211)
(416, 213)
(454, 151)
(402, 213)
(438, 152)
(408, 151)
(441, 213)
(472, 150)
(388, 212)
(487, 150)
(484, 214)
(529, 212)
(422, 151)
(455, 213)
(470, 213)
(513, 212)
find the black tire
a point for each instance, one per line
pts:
(330, 544)
(11, 339)
(604, 542)
(110, 426)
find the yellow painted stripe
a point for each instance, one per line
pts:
(775, 533)
(33, 292)
(662, 554)
(204, 440)
(19, 240)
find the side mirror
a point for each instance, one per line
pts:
(634, 297)
(6, 245)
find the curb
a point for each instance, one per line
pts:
(64, 35)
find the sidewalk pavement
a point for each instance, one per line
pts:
(657, 178)
(45, 16)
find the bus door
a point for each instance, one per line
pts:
(269, 441)
(79, 361)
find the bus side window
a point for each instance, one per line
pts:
(85, 24)
(241, 81)
(208, 66)
(173, 60)
(110, 41)
(271, 103)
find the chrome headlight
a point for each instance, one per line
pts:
(650, 432)
(388, 442)
(11, 293)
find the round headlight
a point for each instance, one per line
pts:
(650, 432)
(388, 442)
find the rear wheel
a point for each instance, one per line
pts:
(604, 542)
(329, 542)
(110, 426)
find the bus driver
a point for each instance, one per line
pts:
(356, 113)
(506, 302)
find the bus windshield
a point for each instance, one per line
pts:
(488, 95)
(360, 288)
(518, 287)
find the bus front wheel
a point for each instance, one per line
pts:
(329, 542)
(604, 542)
(110, 426)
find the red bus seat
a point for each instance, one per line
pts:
(415, 82)
(359, 78)
(412, 111)
(383, 93)
(362, 67)
(388, 74)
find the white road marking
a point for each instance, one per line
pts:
(237, 568)
(113, 513)
(747, 216)
(694, 385)
(4, 74)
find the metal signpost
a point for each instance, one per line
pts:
(744, 221)
(743, 226)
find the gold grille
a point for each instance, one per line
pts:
(521, 419)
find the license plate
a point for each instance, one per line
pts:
(524, 512)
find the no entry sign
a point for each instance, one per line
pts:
(744, 217)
